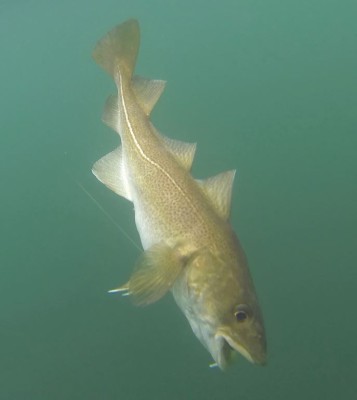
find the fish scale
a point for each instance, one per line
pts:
(189, 246)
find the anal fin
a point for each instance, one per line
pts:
(111, 113)
(110, 171)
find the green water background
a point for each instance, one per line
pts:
(264, 86)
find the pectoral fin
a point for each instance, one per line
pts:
(155, 273)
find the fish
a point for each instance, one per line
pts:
(189, 246)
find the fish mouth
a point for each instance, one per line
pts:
(226, 348)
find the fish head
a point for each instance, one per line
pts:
(241, 333)
(217, 296)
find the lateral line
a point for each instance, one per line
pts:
(148, 159)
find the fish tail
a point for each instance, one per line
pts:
(118, 49)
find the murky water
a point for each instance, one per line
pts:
(266, 87)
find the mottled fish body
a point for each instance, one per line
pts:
(190, 247)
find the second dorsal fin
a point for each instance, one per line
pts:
(147, 92)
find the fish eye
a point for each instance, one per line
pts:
(242, 313)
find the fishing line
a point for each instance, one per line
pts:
(108, 215)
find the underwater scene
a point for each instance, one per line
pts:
(179, 200)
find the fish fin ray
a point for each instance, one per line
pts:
(184, 152)
(109, 170)
(155, 273)
(118, 49)
(124, 290)
(111, 113)
(147, 92)
(218, 189)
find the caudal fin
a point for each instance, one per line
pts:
(119, 49)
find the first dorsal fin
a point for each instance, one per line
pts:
(218, 189)
(147, 92)
(109, 170)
